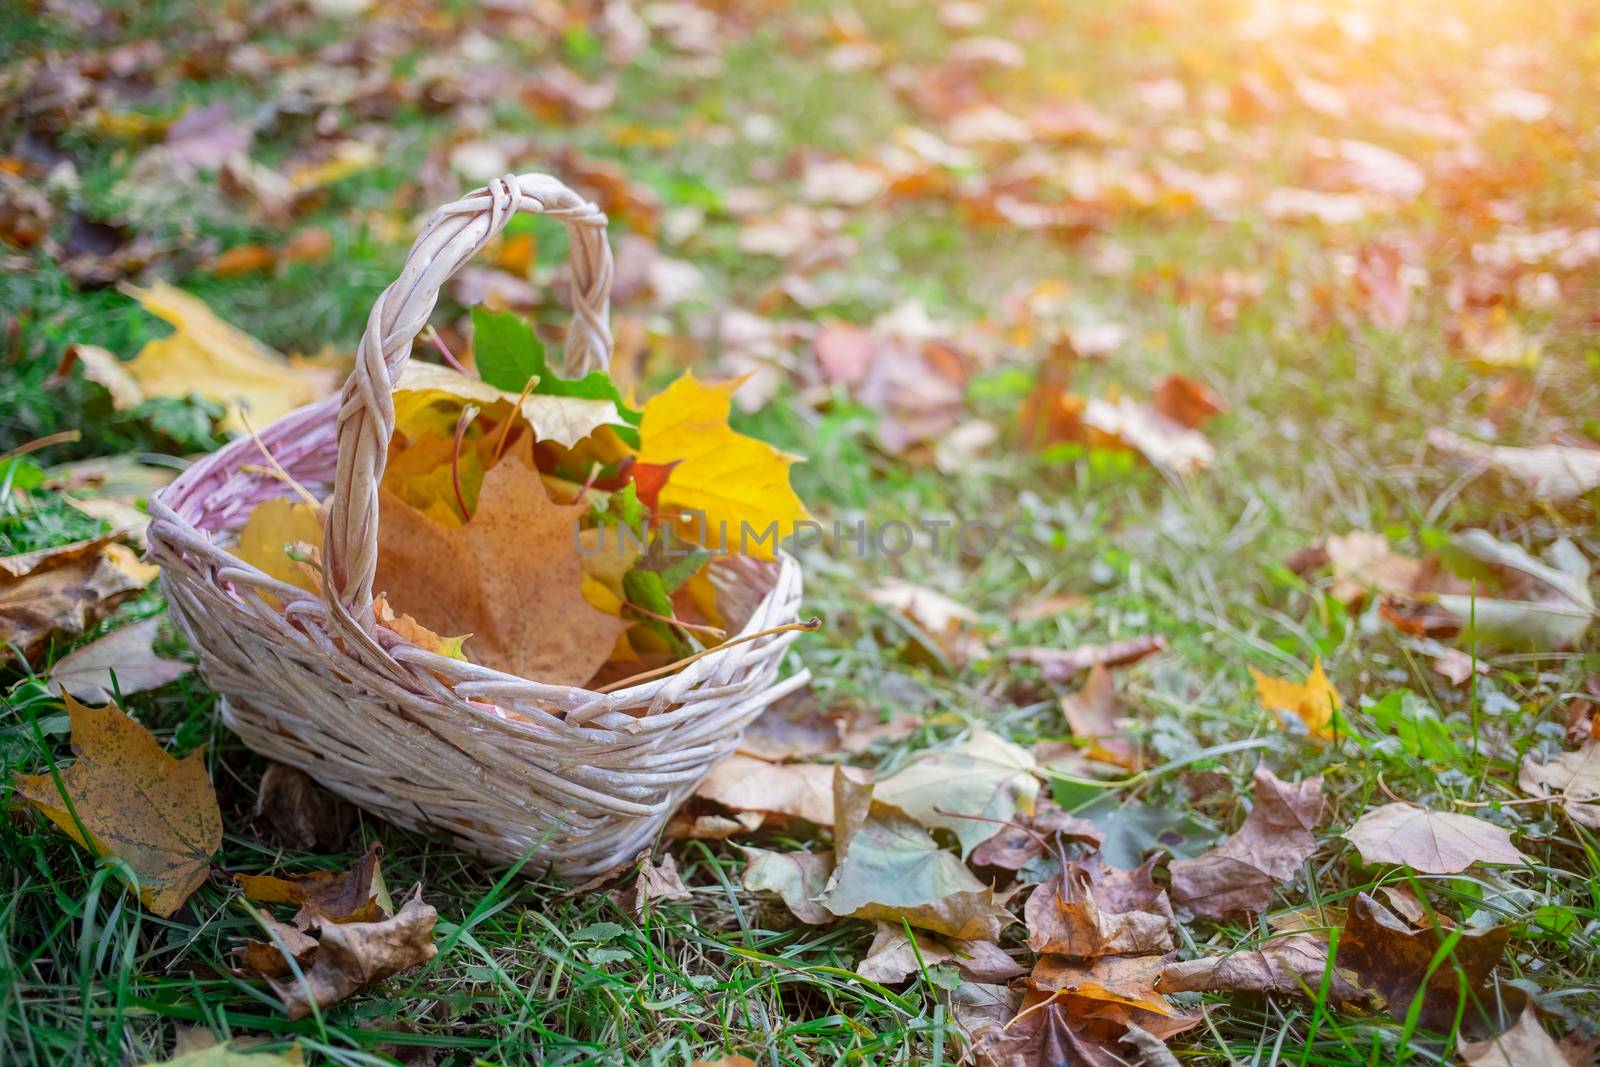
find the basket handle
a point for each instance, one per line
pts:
(451, 237)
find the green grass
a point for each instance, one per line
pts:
(1323, 434)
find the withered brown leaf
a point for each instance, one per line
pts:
(356, 954)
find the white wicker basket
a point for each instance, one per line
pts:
(502, 764)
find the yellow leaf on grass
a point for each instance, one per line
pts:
(206, 355)
(428, 399)
(1314, 700)
(739, 484)
(274, 525)
(149, 809)
(511, 576)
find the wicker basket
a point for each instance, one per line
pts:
(502, 764)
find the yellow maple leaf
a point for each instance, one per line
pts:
(134, 801)
(1314, 700)
(738, 484)
(272, 526)
(206, 355)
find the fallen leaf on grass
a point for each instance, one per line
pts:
(1114, 990)
(64, 590)
(1185, 401)
(1243, 873)
(1430, 842)
(87, 672)
(1062, 664)
(1543, 604)
(356, 954)
(1015, 846)
(1526, 1044)
(1363, 563)
(510, 577)
(799, 790)
(1090, 910)
(892, 958)
(1164, 442)
(1392, 958)
(102, 366)
(219, 1055)
(890, 868)
(136, 802)
(355, 895)
(265, 959)
(947, 623)
(1293, 964)
(738, 486)
(968, 788)
(797, 877)
(1043, 1035)
(299, 813)
(1551, 472)
(1312, 701)
(1572, 779)
(657, 882)
(1093, 712)
(206, 355)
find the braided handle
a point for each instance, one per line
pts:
(453, 235)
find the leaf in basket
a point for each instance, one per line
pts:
(206, 355)
(355, 895)
(418, 634)
(738, 484)
(511, 576)
(134, 801)
(274, 525)
(508, 353)
(428, 398)
(352, 955)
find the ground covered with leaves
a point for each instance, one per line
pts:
(1199, 412)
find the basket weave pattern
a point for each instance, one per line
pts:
(502, 764)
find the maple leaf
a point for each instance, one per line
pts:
(1572, 778)
(272, 527)
(1292, 964)
(1105, 995)
(65, 590)
(1243, 873)
(134, 801)
(87, 672)
(1550, 472)
(1090, 910)
(511, 577)
(968, 788)
(354, 895)
(890, 868)
(893, 958)
(739, 485)
(801, 790)
(797, 877)
(356, 954)
(1430, 842)
(1525, 1044)
(206, 355)
(428, 399)
(1396, 960)
(1092, 713)
(1314, 701)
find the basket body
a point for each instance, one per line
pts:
(506, 766)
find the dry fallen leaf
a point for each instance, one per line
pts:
(1093, 712)
(1185, 401)
(1314, 701)
(1043, 1035)
(658, 882)
(64, 590)
(429, 397)
(511, 577)
(355, 895)
(1090, 910)
(353, 955)
(1551, 472)
(206, 355)
(1526, 1044)
(1394, 960)
(87, 672)
(892, 958)
(296, 811)
(1243, 873)
(1292, 964)
(947, 623)
(1430, 842)
(968, 788)
(1016, 845)
(889, 868)
(1062, 664)
(797, 877)
(800, 790)
(1114, 990)
(1164, 442)
(1572, 779)
(265, 959)
(134, 801)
